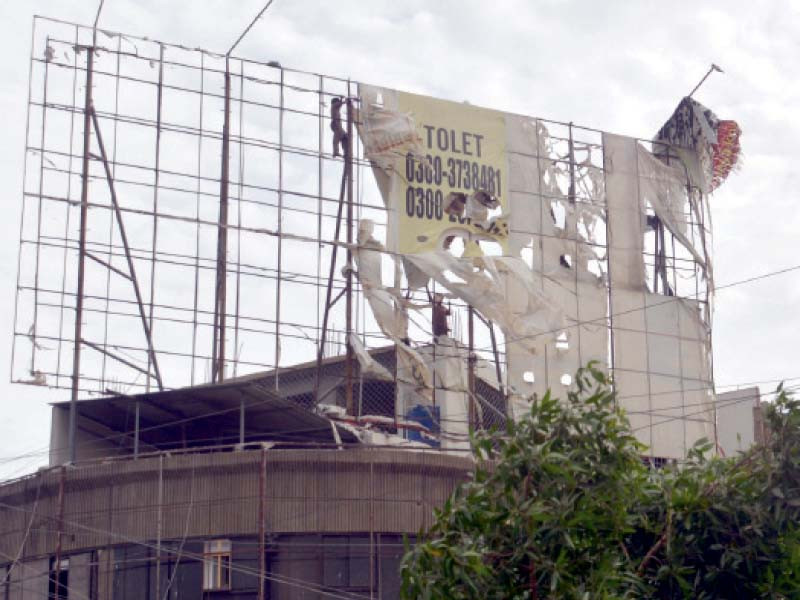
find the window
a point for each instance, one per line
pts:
(217, 565)
(58, 584)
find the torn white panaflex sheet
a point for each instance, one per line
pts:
(387, 307)
(626, 216)
(412, 368)
(369, 366)
(501, 289)
(386, 133)
(665, 188)
(586, 209)
(691, 133)
(449, 364)
(415, 277)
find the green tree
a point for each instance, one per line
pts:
(561, 505)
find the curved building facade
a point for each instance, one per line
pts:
(268, 523)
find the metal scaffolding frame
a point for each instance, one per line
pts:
(210, 215)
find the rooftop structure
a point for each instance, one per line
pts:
(281, 302)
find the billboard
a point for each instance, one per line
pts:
(456, 155)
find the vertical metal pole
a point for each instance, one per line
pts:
(574, 232)
(76, 355)
(159, 523)
(325, 315)
(262, 562)
(497, 369)
(159, 96)
(320, 126)
(609, 284)
(471, 366)
(372, 534)
(241, 420)
(60, 526)
(136, 431)
(67, 212)
(197, 214)
(280, 239)
(239, 196)
(348, 367)
(39, 216)
(218, 353)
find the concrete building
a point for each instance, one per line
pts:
(740, 422)
(230, 491)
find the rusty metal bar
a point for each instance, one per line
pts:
(471, 359)
(280, 238)
(110, 354)
(326, 314)
(136, 425)
(76, 354)
(262, 559)
(39, 216)
(159, 522)
(197, 226)
(220, 300)
(59, 530)
(124, 238)
(108, 266)
(348, 365)
(156, 181)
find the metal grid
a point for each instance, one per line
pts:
(172, 266)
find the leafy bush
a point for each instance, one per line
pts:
(562, 506)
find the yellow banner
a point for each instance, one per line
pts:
(465, 152)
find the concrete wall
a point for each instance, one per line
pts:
(208, 495)
(736, 419)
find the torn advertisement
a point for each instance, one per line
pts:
(386, 305)
(707, 146)
(386, 132)
(666, 189)
(462, 151)
(501, 288)
(370, 367)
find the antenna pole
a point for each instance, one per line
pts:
(711, 69)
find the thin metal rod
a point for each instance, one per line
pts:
(326, 314)
(280, 239)
(110, 354)
(197, 227)
(109, 266)
(262, 564)
(159, 522)
(241, 420)
(236, 348)
(136, 423)
(39, 218)
(76, 354)
(156, 181)
(59, 534)
(114, 147)
(218, 367)
(497, 369)
(248, 28)
(348, 365)
(96, 19)
(711, 69)
(124, 238)
(471, 359)
(67, 212)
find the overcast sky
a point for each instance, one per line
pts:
(617, 66)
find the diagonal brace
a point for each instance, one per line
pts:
(124, 236)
